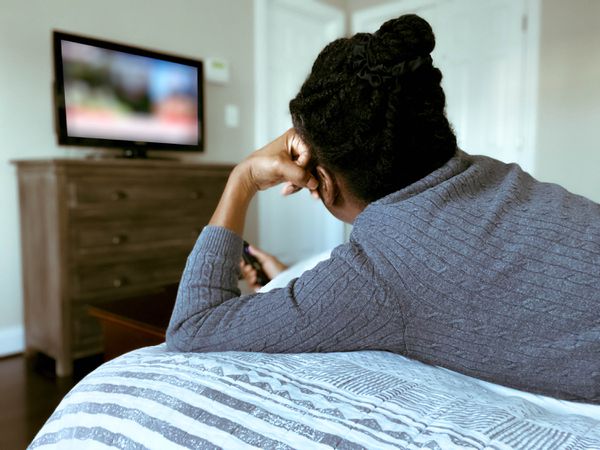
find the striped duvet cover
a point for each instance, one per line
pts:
(151, 398)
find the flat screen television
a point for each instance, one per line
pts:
(114, 95)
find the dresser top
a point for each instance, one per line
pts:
(118, 163)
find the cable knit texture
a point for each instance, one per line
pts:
(478, 268)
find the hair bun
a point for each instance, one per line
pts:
(405, 37)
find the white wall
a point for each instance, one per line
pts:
(568, 150)
(197, 29)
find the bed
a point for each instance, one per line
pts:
(152, 398)
(156, 399)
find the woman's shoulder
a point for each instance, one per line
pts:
(475, 185)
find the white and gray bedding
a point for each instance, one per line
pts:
(151, 398)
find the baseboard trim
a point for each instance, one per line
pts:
(12, 340)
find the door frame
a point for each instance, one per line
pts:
(261, 134)
(337, 19)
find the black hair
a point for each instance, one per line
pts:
(372, 109)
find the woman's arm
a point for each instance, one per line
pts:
(337, 306)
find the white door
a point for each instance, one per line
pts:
(485, 50)
(289, 36)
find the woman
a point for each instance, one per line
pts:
(455, 260)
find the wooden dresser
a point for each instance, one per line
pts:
(98, 230)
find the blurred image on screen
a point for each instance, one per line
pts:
(115, 95)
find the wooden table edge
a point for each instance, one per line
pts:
(130, 323)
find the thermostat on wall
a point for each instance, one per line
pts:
(216, 70)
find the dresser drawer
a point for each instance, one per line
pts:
(129, 239)
(117, 191)
(104, 281)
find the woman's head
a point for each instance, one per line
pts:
(372, 109)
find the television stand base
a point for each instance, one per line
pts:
(109, 153)
(134, 153)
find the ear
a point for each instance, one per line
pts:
(328, 189)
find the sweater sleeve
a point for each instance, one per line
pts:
(336, 306)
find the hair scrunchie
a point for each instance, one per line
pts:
(378, 74)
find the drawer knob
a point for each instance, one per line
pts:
(119, 239)
(196, 195)
(118, 282)
(119, 195)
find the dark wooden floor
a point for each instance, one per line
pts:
(29, 392)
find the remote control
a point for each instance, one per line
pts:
(261, 276)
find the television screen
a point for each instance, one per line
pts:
(119, 96)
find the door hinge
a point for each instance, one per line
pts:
(524, 23)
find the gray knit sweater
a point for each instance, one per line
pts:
(478, 268)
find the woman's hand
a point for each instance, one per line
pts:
(270, 265)
(284, 160)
